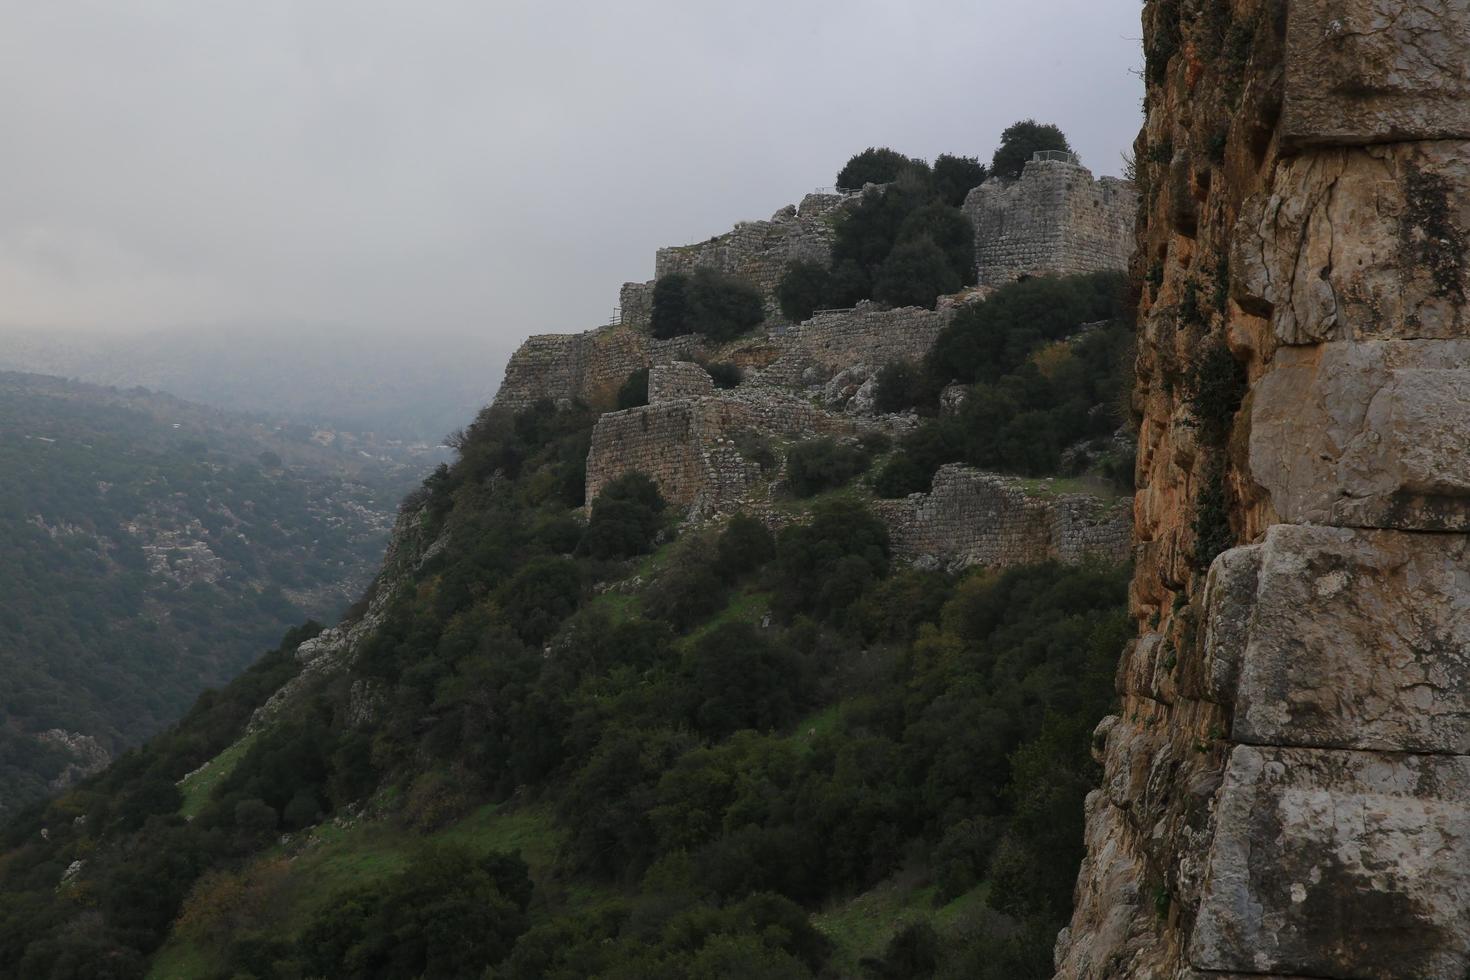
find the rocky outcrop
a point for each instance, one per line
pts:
(1287, 785)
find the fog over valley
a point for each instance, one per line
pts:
(462, 169)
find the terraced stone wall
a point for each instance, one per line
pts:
(974, 518)
(759, 251)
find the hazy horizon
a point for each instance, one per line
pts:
(448, 169)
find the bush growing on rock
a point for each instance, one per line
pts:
(803, 290)
(901, 385)
(724, 375)
(634, 391)
(671, 315)
(823, 464)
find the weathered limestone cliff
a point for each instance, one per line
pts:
(1287, 786)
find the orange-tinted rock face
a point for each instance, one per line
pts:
(1285, 789)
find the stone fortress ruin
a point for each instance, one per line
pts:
(713, 451)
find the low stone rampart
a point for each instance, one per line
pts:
(974, 518)
(834, 340)
(589, 367)
(759, 251)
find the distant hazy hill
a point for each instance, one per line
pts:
(406, 387)
(151, 548)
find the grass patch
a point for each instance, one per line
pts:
(197, 787)
(863, 926)
(1061, 485)
(182, 961)
(744, 607)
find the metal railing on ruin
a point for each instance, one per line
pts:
(1058, 156)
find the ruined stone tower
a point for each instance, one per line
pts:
(1287, 784)
(1055, 219)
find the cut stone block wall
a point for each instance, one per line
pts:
(635, 304)
(678, 380)
(1055, 219)
(587, 366)
(690, 447)
(975, 518)
(834, 340)
(759, 251)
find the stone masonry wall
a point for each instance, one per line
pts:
(587, 366)
(1054, 219)
(1286, 788)
(759, 251)
(678, 380)
(635, 304)
(973, 518)
(690, 447)
(833, 340)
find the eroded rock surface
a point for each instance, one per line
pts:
(1286, 787)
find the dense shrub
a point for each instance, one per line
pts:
(634, 392)
(626, 516)
(450, 914)
(724, 375)
(546, 590)
(901, 385)
(805, 287)
(954, 176)
(824, 566)
(1020, 141)
(986, 340)
(672, 314)
(710, 303)
(916, 273)
(745, 545)
(741, 678)
(822, 464)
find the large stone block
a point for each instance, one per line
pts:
(1354, 639)
(1366, 435)
(1339, 864)
(1373, 71)
(1359, 244)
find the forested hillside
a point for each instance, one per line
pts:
(151, 549)
(557, 743)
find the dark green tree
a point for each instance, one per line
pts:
(954, 177)
(1020, 141)
(671, 315)
(875, 165)
(916, 273)
(634, 392)
(803, 289)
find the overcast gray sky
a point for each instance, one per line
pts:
(498, 166)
